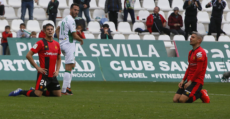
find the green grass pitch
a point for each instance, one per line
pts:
(114, 100)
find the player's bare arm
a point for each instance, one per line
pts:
(75, 36)
(57, 31)
(58, 65)
(29, 56)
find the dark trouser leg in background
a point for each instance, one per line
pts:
(174, 31)
(53, 16)
(125, 15)
(187, 26)
(166, 31)
(4, 45)
(132, 14)
(218, 27)
(113, 17)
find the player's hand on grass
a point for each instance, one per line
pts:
(180, 84)
(187, 84)
(42, 70)
(56, 73)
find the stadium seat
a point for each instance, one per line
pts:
(228, 17)
(169, 13)
(124, 27)
(226, 28)
(143, 14)
(94, 27)
(3, 23)
(36, 5)
(70, 2)
(15, 24)
(134, 37)
(0, 36)
(5, 3)
(15, 3)
(12, 14)
(33, 25)
(46, 22)
(112, 27)
(19, 13)
(148, 4)
(149, 37)
(120, 17)
(179, 38)
(204, 3)
(209, 38)
(89, 36)
(137, 5)
(201, 29)
(163, 14)
(138, 25)
(39, 14)
(178, 3)
(226, 8)
(44, 3)
(62, 4)
(14, 34)
(99, 36)
(164, 5)
(65, 13)
(101, 4)
(203, 17)
(93, 4)
(224, 20)
(224, 39)
(98, 13)
(59, 14)
(166, 39)
(119, 37)
(122, 4)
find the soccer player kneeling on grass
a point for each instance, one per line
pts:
(191, 90)
(49, 55)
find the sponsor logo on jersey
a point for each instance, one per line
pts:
(187, 92)
(35, 46)
(50, 53)
(199, 55)
(55, 47)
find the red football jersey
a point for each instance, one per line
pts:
(47, 52)
(197, 66)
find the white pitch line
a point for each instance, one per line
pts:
(143, 92)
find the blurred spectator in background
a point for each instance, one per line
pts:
(112, 7)
(80, 32)
(175, 22)
(216, 17)
(33, 34)
(22, 33)
(129, 8)
(170, 3)
(27, 4)
(6, 34)
(83, 7)
(52, 10)
(156, 22)
(105, 32)
(191, 7)
(42, 33)
(2, 8)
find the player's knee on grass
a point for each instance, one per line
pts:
(183, 99)
(57, 93)
(176, 98)
(38, 93)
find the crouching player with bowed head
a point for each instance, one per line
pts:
(49, 55)
(191, 90)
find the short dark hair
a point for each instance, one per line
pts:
(49, 25)
(44, 26)
(7, 27)
(23, 24)
(74, 4)
(158, 8)
(105, 25)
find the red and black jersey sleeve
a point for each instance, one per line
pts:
(37, 47)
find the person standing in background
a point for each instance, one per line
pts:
(30, 5)
(84, 7)
(129, 8)
(2, 8)
(6, 34)
(191, 7)
(52, 10)
(217, 15)
(112, 7)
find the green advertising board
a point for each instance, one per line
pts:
(99, 48)
(213, 49)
